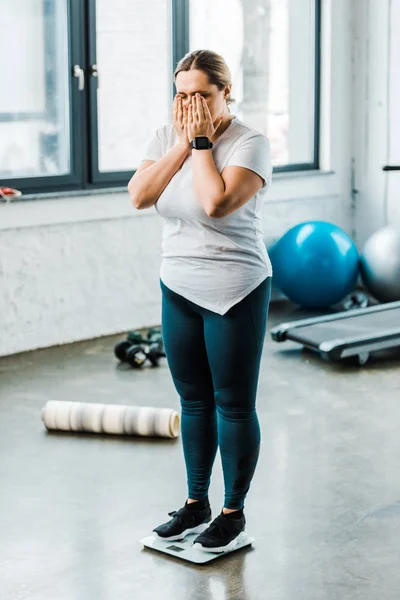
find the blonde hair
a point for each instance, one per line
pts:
(212, 64)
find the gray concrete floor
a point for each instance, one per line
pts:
(324, 505)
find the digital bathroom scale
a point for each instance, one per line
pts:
(184, 549)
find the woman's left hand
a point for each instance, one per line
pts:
(199, 119)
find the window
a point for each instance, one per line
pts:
(272, 50)
(135, 82)
(87, 82)
(34, 115)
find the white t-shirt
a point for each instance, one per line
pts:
(213, 262)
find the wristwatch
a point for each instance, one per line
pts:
(201, 142)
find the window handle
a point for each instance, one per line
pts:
(79, 73)
(95, 73)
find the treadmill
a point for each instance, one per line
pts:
(353, 333)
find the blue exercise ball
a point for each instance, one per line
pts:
(315, 264)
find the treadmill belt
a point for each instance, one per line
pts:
(346, 329)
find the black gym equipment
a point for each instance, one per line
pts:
(137, 348)
(353, 333)
(354, 300)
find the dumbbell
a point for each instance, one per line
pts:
(133, 338)
(137, 348)
(355, 300)
(155, 352)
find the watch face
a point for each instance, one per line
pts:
(201, 143)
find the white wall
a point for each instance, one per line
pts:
(74, 278)
(376, 111)
(82, 267)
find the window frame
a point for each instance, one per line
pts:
(83, 131)
(314, 165)
(74, 179)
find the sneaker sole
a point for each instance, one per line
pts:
(221, 549)
(181, 536)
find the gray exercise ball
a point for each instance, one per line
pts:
(380, 264)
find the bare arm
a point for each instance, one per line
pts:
(151, 178)
(222, 194)
(218, 194)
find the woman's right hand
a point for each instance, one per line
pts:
(180, 121)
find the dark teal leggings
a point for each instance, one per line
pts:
(214, 361)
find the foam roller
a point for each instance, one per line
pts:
(111, 418)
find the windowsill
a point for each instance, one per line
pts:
(71, 194)
(304, 174)
(68, 207)
(35, 210)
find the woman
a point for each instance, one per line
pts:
(207, 175)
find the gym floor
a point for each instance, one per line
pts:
(324, 505)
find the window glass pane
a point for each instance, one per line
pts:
(34, 125)
(135, 78)
(269, 46)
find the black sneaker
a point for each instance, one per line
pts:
(185, 521)
(223, 535)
